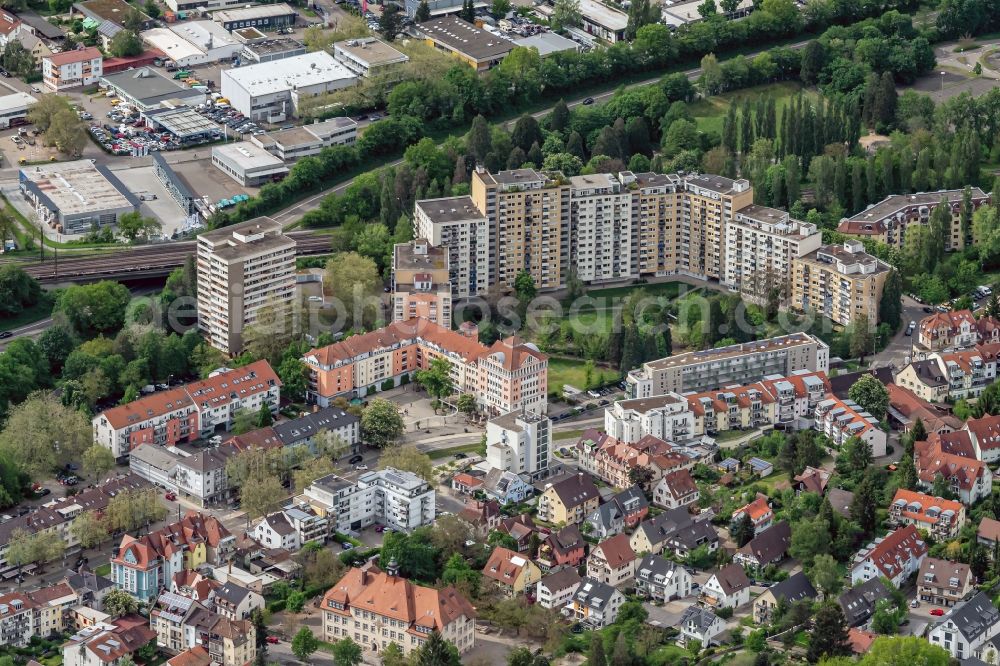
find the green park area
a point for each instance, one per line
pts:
(709, 112)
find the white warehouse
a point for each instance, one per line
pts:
(194, 42)
(272, 92)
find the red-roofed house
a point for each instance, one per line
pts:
(612, 561)
(676, 489)
(985, 433)
(896, 556)
(905, 407)
(944, 330)
(759, 511)
(860, 640)
(509, 376)
(941, 518)
(70, 69)
(611, 460)
(512, 573)
(566, 546)
(952, 456)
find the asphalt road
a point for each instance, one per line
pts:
(30, 331)
(896, 353)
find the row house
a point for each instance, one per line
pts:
(952, 456)
(940, 518)
(509, 376)
(951, 375)
(181, 624)
(146, 565)
(375, 608)
(612, 461)
(943, 583)
(896, 556)
(189, 412)
(842, 419)
(955, 330)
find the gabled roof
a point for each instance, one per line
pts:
(731, 579)
(594, 594)
(813, 480)
(986, 431)
(616, 551)
(974, 617)
(794, 588)
(926, 508)
(889, 554)
(701, 618)
(563, 579)
(770, 545)
(989, 529)
(758, 509)
(656, 569)
(679, 484)
(504, 565)
(943, 574)
(859, 601)
(75, 55)
(575, 490)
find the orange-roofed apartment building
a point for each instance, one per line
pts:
(953, 456)
(188, 412)
(511, 375)
(896, 556)
(941, 518)
(943, 330)
(70, 69)
(375, 608)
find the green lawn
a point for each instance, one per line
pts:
(104, 569)
(668, 289)
(567, 434)
(437, 454)
(709, 113)
(564, 371)
(37, 312)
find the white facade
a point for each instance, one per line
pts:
(519, 443)
(713, 588)
(548, 596)
(667, 417)
(456, 223)
(401, 500)
(70, 69)
(842, 419)
(274, 531)
(367, 56)
(761, 243)
(15, 106)
(193, 43)
(601, 227)
(349, 507)
(967, 629)
(294, 144)
(272, 92)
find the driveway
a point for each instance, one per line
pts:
(901, 346)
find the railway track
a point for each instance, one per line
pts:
(150, 260)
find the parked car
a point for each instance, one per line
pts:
(928, 310)
(361, 468)
(355, 459)
(347, 545)
(937, 612)
(588, 101)
(273, 640)
(911, 328)
(172, 496)
(42, 492)
(5, 334)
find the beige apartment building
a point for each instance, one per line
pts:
(529, 218)
(421, 286)
(736, 364)
(887, 220)
(655, 208)
(707, 205)
(841, 282)
(761, 244)
(455, 224)
(242, 269)
(601, 235)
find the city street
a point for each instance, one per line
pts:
(899, 349)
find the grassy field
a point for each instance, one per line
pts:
(437, 454)
(709, 113)
(564, 371)
(668, 289)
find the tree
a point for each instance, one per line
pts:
(134, 225)
(408, 459)
(500, 8)
(711, 80)
(381, 423)
(742, 529)
(871, 395)
(89, 529)
(829, 634)
(355, 284)
(131, 509)
(392, 655)
(42, 435)
(66, 132)
(125, 44)
(597, 656)
(151, 9)
(436, 379)
(118, 602)
(904, 651)
(98, 461)
(94, 308)
(423, 12)
(559, 118)
(46, 108)
(294, 376)
(346, 653)
(304, 644)
(391, 22)
(565, 14)
(826, 576)
(526, 132)
(436, 651)
(864, 505)
(640, 13)
(890, 309)
(18, 290)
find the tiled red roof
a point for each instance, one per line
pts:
(76, 55)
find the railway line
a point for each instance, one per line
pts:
(142, 262)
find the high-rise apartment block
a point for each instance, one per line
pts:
(456, 224)
(761, 244)
(601, 232)
(841, 282)
(242, 269)
(421, 286)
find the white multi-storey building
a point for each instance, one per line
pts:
(667, 417)
(456, 224)
(761, 243)
(69, 69)
(349, 507)
(401, 500)
(736, 364)
(242, 269)
(601, 227)
(520, 442)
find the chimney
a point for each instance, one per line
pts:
(393, 568)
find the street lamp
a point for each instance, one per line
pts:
(942, 81)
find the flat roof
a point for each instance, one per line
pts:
(173, 46)
(743, 349)
(465, 38)
(258, 12)
(246, 155)
(547, 43)
(16, 101)
(111, 10)
(298, 71)
(184, 121)
(79, 187)
(206, 35)
(372, 51)
(266, 46)
(687, 11)
(147, 86)
(450, 209)
(601, 14)
(246, 239)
